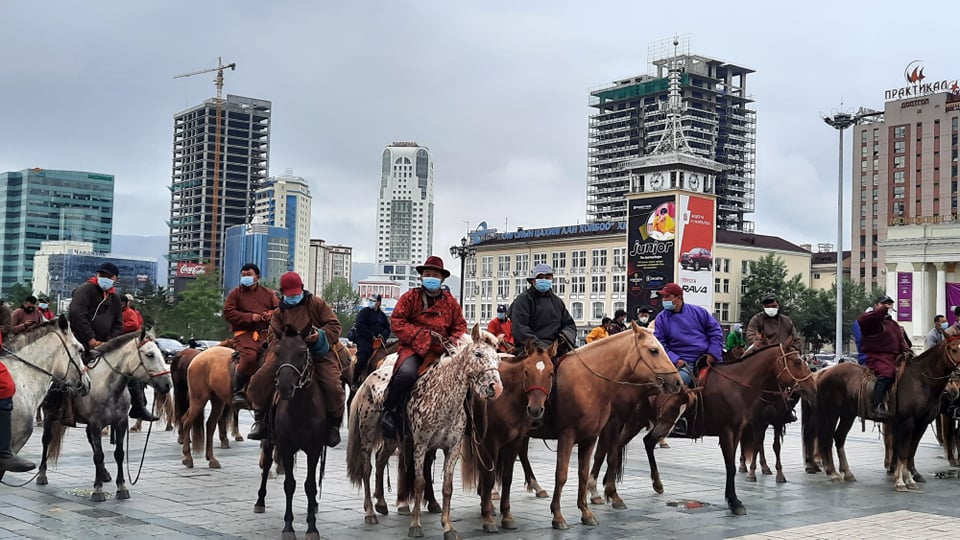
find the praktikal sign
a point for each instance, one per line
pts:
(914, 76)
(922, 220)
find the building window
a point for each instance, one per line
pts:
(486, 289)
(598, 284)
(559, 260)
(503, 289)
(520, 284)
(578, 259)
(523, 264)
(559, 285)
(486, 265)
(539, 258)
(898, 177)
(620, 257)
(722, 310)
(619, 283)
(470, 312)
(726, 285)
(471, 267)
(899, 132)
(716, 285)
(745, 268)
(576, 310)
(486, 312)
(617, 306)
(470, 289)
(503, 264)
(598, 310)
(900, 147)
(899, 162)
(898, 192)
(816, 275)
(599, 259)
(578, 285)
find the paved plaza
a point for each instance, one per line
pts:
(171, 501)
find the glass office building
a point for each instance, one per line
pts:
(263, 245)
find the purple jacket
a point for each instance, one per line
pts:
(689, 333)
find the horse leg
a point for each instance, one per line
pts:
(186, 425)
(137, 427)
(745, 443)
(419, 483)
(310, 489)
(120, 430)
(888, 456)
(222, 427)
(778, 429)
(840, 438)
(615, 466)
(584, 450)
(529, 478)
(266, 461)
(216, 413)
(808, 434)
(485, 484)
(649, 445)
(93, 436)
(450, 458)
(827, 428)
(506, 464)
(761, 451)
(603, 442)
(289, 488)
(432, 505)
(235, 424)
(45, 439)
(728, 444)
(749, 448)
(917, 434)
(382, 460)
(564, 450)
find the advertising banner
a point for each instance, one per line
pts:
(651, 233)
(696, 230)
(905, 296)
(190, 270)
(953, 299)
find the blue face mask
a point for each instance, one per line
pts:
(246, 281)
(105, 283)
(943, 326)
(44, 306)
(543, 285)
(431, 283)
(293, 300)
(502, 316)
(668, 305)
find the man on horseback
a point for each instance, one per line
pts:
(618, 323)
(421, 314)
(643, 317)
(301, 310)
(687, 332)
(540, 315)
(883, 342)
(5, 318)
(26, 316)
(770, 326)
(735, 337)
(248, 308)
(371, 325)
(132, 320)
(8, 460)
(44, 308)
(501, 325)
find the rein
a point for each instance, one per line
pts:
(305, 375)
(60, 381)
(659, 381)
(782, 358)
(952, 364)
(128, 376)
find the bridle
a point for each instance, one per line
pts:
(785, 367)
(304, 376)
(659, 379)
(57, 381)
(141, 365)
(534, 387)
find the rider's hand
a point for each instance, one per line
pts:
(93, 343)
(257, 317)
(681, 363)
(266, 315)
(313, 337)
(711, 360)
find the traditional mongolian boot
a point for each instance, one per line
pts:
(879, 392)
(333, 433)
(239, 391)
(138, 402)
(258, 430)
(8, 460)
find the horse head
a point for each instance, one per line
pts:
(52, 349)
(653, 359)
(794, 372)
(76, 374)
(952, 390)
(537, 381)
(153, 361)
(294, 369)
(480, 363)
(951, 350)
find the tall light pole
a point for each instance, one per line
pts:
(462, 252)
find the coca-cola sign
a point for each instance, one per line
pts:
(190, 270)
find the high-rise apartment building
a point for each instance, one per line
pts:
(629, 119)
(244, 162)
(39, 204)
(904, 173)
(327, 262)
(284, 201)
(405, 205)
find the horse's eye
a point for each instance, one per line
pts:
(654, 351)
(150, 354)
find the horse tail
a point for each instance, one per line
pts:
(808, 424)
(162, 405)
(469, 471)
(355, 455)
(57, 430)
(406, 471)
(181, 395)
(197, 433)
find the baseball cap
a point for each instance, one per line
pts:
(671, 289)
(291, 284)
(884, 300)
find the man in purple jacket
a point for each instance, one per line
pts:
(687, 332)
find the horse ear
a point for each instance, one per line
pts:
(143, 333)
(63, 323)
(475, 334)
(553, 348)
(290, 331)
(530, 347)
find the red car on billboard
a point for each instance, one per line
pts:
(696, 259)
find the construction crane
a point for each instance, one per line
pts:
(216, 152)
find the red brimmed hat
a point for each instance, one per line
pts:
(291, 284)
(672, 289)
(435, 263)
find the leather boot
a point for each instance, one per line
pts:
(333, 433)
(138, 403)
(258, 430)
(239, 391)
(8, 460)
(390, 424)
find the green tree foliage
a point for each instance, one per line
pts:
(342, 300)
(198, 312)
(769, 275)
(155, 307)
(16, 293)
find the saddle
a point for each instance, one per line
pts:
(865, 397)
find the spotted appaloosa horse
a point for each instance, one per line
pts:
(437, 421)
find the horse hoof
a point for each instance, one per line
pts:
(288, 535)
(415, 532)
(751, 478)
(451, 535)
(849, 477)
(812, 469)
(919, 478)
(403, 510)
(224, 445)
(743, 468)
(766, 472)
(371, 520)
(490, 528)
(560, 524)
(494, 495)
(187, 462)
(238, 438)
(434, 507)
(835, 477)
(170, 428)
(313, 535)
(508, 523)
(664, 444)
(900, 487)
(596, 500)
(214, 464)
(98, 496)
(42, 480)
(123, 494)
(259, 509)
(619, 504)
(738, 510)
(381, 509)
(912, 486)
(589, 520)
(107, 478)
(781, 479)
(542, 494)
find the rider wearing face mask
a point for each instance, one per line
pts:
(44, 308)
(643, 317)
(771, 326)
(540, 315)
(248, 308)
(26, 316)
(501, 325)
(419, 316)
(302, 310)
(687, 332)
(935, 335)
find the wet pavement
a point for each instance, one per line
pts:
(175, 502)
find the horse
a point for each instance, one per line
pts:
(209, 378)
(181, 401)
(728, 392)
(767, 411)
(298, 420)
(129, 356)
(36, 358)
(843, 394)
(374, 363)
(946, 427)
(437, 421)
(588, 380)
(162, 407)
(503, 426)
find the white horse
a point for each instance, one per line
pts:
(437, 421)
(44, 355)
(130, 356)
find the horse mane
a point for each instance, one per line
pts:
(754, 351)
(18, 340)
(118, 342)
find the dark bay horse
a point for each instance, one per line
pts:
(947, 427)
(299, 423)
(588, 380)
(503, 426)
(729, 391)
(768, 410)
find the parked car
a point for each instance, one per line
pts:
(169, 347)
(201, 344)
(696, 258)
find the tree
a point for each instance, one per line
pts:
(343, 300)
(815, 318)
(769, 275)
(199, 310)
(155, 306)
(16, 293)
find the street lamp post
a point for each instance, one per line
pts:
(462, 252)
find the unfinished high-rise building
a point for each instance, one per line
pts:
(629, 118)
(244, 162)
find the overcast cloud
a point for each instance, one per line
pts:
(496, 90)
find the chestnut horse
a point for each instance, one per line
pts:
(209, 378)
(503, 426)
(181, 401)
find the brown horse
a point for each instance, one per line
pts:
(947, 427)
(209, 377)
(843, 394)
(503, 425)
(729, 392)
(181, 401)
(769, 410)
(588, 380)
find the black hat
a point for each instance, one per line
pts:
(251, 266)
(619, 313)
(109, 269)
(884, 300)
(378, 297)
(501, 308)
(768, 298)
(644, 309)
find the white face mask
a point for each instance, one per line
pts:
(643, 320)
(770, 311)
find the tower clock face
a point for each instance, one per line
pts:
(657, 181)
(695, 181)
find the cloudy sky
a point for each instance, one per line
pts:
(496, 89)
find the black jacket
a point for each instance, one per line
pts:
(95, 314)
(370, 324)
(541, 317)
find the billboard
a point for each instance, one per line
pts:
(696, 230)
(190, 270)
(651, 235)
(905, 296)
